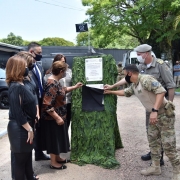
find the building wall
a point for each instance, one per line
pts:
(116, 53)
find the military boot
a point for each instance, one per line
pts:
(146, 157)
(176, 173)
(162, 160)
(154, 169)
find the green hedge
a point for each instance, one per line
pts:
(94, 135)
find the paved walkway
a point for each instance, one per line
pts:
(3, 122)
(131, 119)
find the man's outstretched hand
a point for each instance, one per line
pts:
(107, 86)
(107, 91)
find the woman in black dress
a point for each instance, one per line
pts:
(22, 113)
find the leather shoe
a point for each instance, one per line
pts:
(60, 168)
(42, 157)
(65, 161)
(146, 157)
(161, 162)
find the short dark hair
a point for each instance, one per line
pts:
(33, 45)
(132, 68)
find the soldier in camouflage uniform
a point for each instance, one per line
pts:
(162, 117)
(120, 71)
(120, 74)
(158, 69)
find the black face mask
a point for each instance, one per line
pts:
(26, 72)
(37, 57)
(31, 67)
(127, 78)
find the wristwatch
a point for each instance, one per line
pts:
(30, 130)
(154, 110)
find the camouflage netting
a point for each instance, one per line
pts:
(94, 135)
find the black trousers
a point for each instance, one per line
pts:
(12, 165)
(37, 134)
(37, 140)
(68, 117)
(21, 166)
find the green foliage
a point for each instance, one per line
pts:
(82, 39)
(18, 41)
(55, 42)
(25, 43)
(148, 21)
(177, 90)
(125, 42)
(13, 39)
(177, 22)
(176, 3)
(94, 135)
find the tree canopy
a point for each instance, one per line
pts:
(13, 39)
(125, 42)
(55, 41)
(149, 22)
(18, 41)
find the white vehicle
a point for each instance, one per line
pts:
(131, 58)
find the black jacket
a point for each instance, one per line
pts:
(34, 77)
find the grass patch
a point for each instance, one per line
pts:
(177, 89)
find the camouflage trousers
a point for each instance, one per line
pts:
(163, 133)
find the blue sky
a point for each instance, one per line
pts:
(34, 20)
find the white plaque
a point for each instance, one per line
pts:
(93, 69)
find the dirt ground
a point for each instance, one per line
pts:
(131, 119)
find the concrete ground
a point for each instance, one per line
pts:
(131, 119)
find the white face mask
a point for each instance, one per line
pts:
(141, 59)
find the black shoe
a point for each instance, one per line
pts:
(60, 168)
(42, 157)
(65, 161)
(146, 157)
(161, 162)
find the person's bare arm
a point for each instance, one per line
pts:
(118, 93)
(159, 100)
(119, 83)
(30, 132)
(55, 116)
(171, 94)
(71, 88)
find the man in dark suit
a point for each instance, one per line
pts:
(37, 74)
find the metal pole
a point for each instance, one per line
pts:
(89, 45)
(89, 38)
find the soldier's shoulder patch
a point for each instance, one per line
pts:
(160, 61)
(155, 84)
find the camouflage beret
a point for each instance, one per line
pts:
(143, 48)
